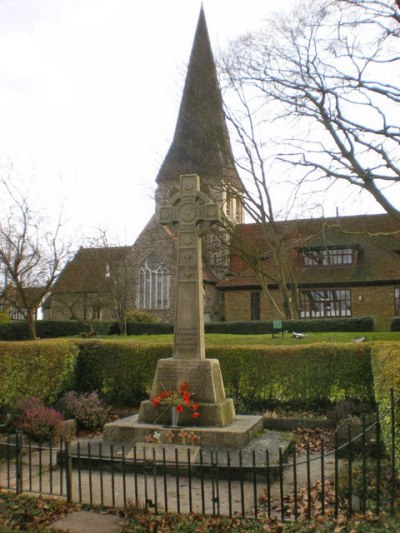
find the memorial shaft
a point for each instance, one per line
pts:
(190, 212)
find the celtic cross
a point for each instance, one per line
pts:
(192, 213)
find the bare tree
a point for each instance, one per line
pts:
(326, 77)
(31, 255)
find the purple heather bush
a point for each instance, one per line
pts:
(38, 422)
(89, 411)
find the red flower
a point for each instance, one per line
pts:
(195, 414)
(183, 387)
(195, 406)
(156, 402)
(179, 408)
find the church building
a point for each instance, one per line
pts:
(340, 269)
(201, 146)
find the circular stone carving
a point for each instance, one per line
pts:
(187, 212)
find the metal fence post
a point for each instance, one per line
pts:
(68, 469)
(18, 463)
(393, 452)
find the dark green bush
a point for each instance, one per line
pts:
(121, 370)
(156, 328)
(308, 375)
(386, 371)
(142, 317)
(395, 324)
(257, 327)
(43, 369)
(50, 329)
(14, 331)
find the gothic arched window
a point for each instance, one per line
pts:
(154, 283)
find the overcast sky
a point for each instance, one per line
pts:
(89, 96)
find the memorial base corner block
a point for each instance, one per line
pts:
(205, 383)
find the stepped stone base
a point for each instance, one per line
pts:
(205, 382)
(237, 434)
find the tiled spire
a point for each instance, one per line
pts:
(201, 142)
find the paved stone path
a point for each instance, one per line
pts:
(88, 522)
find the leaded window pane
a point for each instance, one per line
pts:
(397, 301)
(154, 284)
(325, 303)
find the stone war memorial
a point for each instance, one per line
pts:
(190, 214)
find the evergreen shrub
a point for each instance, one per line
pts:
(304, 376)
(4, 318)
(148, 328)
(138, 316)
(44, 369)
(14, 331)
(386, 371)
(121, 370)
(50, 329)
(259, 327)
(395, 324)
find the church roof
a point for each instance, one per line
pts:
(201, 143)
(87, 270)
(375, 237)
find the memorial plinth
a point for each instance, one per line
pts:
(205, 380)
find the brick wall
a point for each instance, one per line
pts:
(375, 301)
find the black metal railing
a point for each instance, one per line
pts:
(358, 475)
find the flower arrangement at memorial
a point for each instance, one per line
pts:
(178, 399)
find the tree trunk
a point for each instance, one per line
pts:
(31, 325)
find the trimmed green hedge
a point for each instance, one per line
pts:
(148, 328)
(50, 329)
(258, 327)
(121, 370)
(47, 329)
(305, 375)
(386, 370)
(395, 324)
(36, 368)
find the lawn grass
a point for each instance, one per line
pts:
(213, 339)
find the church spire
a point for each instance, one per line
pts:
(201, 142)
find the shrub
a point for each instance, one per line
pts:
(395, 324)
(304, 376)
(4, 318)
(121, 370)
(39, 423)
(43, 369)
(88, 409)
(146, 328)
(140, 317)
(386, 371)
(345, 410)
(256, 327)
(309, 375)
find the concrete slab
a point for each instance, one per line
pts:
(88, 522)
(238, 434)
(231, 461)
